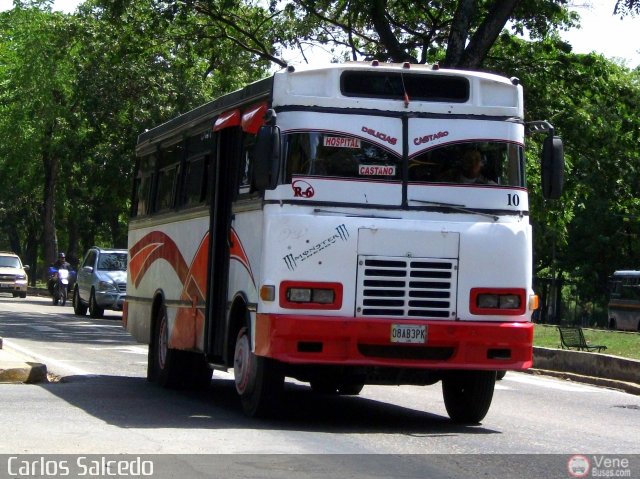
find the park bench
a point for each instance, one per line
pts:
(572, 337)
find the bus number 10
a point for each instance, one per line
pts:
(513, 199)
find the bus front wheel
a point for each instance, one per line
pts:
(259, 381)
(468, 394)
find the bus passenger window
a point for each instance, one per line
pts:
(166, 188)
(246, 163)
(195, 181)
(142, 186)
(143, 190)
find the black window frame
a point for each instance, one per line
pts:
(365, 84)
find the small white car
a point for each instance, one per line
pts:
(13, 275)
(101, 283)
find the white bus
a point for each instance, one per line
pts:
(624, 300)
(353, 224)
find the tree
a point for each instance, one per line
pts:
(455, 33)
(626, 7)
(75, 92)
(592, 102)
(37, 104)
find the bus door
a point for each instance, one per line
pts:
(228, 141)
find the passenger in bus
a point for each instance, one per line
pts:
(471, 168)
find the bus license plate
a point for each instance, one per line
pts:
(408, 333)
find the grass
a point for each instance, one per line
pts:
(618, 343)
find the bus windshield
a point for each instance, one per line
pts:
(332, 155)
(489, 163)
(341, 156)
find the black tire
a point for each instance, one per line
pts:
(350, 389)
(95, 311)
(259, 381)
(55, 295)
(23, 295)
(323, 386)
(612, 324)
(172, 368)
(468, 394)
(500, 375)
(79, 308)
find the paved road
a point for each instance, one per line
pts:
(105, 406)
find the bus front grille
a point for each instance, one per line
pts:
(420, 288)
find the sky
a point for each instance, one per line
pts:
(601, 31)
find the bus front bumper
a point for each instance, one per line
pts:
(368, 342)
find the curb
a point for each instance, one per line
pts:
(630, 388)
(13, 371)
(28, 373)
(588, 364)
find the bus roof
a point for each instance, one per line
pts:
(253, 92)
(303, 86)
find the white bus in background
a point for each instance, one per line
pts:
(353, 224)
(624, 300)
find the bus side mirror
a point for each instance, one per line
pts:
(552, 167)
(266, 158)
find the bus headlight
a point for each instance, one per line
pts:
(310, 295)
(497, 301)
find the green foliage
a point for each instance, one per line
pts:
(592, 102)
(75, 92)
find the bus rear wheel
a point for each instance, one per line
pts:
(259, 381)
(468, 394)
(172, 368)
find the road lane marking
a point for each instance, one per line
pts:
(552, 383)
(124, 349)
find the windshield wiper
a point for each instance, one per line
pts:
(456, 207)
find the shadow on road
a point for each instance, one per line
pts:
(132, 402)
(129, 402)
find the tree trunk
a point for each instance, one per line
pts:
(459, 32)
(49, 236)
(397, 53)
(32, 255)
(486, 34)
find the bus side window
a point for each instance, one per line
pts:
(142, 187)
(246, 163)
(167, 181)
(168, 177)
(195, 181)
